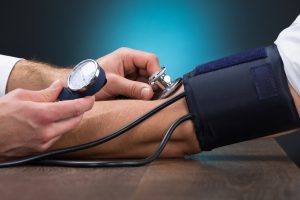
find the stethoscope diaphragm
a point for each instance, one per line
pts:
(163, 85)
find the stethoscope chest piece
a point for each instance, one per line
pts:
(163, 85)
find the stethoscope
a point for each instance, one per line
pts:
(86, 79)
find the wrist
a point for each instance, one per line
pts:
(34, 75)
(184, 135)
(186, 131)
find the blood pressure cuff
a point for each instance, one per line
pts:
(241, 97)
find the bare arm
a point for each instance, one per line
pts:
(34, 75)
(108, 116)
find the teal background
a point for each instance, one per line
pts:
(183, 33)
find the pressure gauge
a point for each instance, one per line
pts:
(86, 79)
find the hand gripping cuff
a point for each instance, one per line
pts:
(241, 97)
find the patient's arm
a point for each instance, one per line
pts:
(141, 141)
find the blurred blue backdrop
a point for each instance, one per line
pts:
(183, 33)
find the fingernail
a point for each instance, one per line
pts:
(54, 85)
(145, 92)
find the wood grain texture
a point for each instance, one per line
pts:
(251, 170)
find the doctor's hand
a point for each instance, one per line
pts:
(127, 71)
(31, 121)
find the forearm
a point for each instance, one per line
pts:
(141, 141)
(109, 116)
(34, 75)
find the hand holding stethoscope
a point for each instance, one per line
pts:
(130, 73)
(127, 71)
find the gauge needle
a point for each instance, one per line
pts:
(82, 75)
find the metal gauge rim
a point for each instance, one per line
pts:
(92, 81)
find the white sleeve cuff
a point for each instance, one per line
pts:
(7, 63)
(288, 44)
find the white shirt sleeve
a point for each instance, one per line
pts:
(6, 65)
(288, 44)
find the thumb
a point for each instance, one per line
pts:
(49, 94)
(132, 89)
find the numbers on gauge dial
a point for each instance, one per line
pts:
(82, 75)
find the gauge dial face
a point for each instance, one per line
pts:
(82, 75)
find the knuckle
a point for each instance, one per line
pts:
(45, 136)
(122, 49)
(41, 148)
(77, 110)
(45, 118)
(112, 79)
(19, 93)
(133, 90)
(153, 57)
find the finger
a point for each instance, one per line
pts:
(142, 79)
(132, 76)
(50, 143)
(65, 109)
(131, 89)
(143, 73)
(49, 94)
(139, 59)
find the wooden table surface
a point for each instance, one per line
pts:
(251, 170)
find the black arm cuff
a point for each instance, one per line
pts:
(239, 98)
